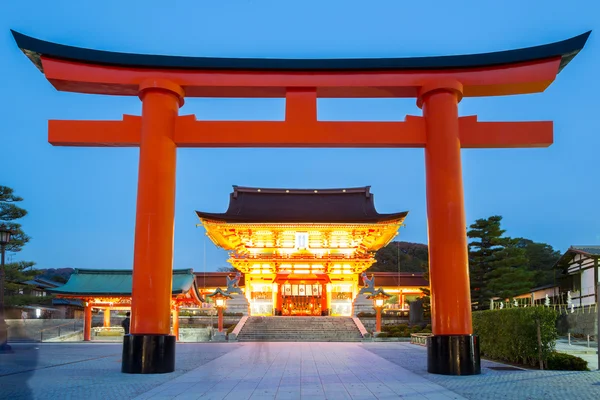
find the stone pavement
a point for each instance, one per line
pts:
(280, 370)
(377, 370)
(87, 370)
(494, 384)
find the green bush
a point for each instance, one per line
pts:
(402, 330)
(511, 334)
(566, 362)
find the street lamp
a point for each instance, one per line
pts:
(379, 298)
(220, 298)
(5, 234)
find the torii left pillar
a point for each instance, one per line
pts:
(149, 348)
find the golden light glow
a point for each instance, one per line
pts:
(379, 302)
(263, 250)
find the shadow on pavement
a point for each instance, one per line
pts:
(17, 370)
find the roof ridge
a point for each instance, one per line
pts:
(248, 189)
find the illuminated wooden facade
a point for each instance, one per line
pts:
(302, 251)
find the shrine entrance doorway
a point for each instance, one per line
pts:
(302, 294)
(302, 299)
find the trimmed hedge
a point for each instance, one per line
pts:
(566, 362)
(511, 334)
(402, 330)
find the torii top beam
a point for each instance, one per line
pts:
(301, 82)
(76, 69)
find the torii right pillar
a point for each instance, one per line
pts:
(453, 349)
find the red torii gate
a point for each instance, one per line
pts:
(438, 84)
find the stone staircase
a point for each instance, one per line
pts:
(299, 329)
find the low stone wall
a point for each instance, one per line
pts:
(194, 334)
(36, 329)
(582, 323)
(370, 322)
(196, 327)
(203, 322)
(72, 337)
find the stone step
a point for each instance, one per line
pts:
(300, 329)
(294, 341)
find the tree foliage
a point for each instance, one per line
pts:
(498, 266)
(509, 275)
(9, 212)
(15, 272)
(400, 256)
(541, 258)
(485, 244)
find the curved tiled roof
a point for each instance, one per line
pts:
(262, 205)
(117, 282)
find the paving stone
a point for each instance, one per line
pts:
(280, 370)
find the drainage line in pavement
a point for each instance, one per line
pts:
(57, 365)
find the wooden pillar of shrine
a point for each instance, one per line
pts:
(176, 322)
(87, 322)
(107, 317)
(453, 349)
(324, 299)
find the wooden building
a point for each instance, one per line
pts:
(300, 251)
(578, 272)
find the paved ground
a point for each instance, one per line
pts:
(493, 384)
(88, 371)
(272, 371)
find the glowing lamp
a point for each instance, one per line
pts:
(220, 298)
(5, 235)
(379, 298)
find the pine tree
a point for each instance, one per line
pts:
(483, 250)
(16, 272)
(509, 275)
(10, 212)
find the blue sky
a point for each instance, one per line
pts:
(81, 201)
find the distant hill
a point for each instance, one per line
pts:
(403, 256)
(61, 275)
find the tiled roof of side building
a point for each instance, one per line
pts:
(567, 257)
(594, 250)
(215, 279)
(260, 205)
(106, 282)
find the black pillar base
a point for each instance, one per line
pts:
(453, 355)
(148, 354)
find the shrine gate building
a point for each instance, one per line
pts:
(302, 251)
